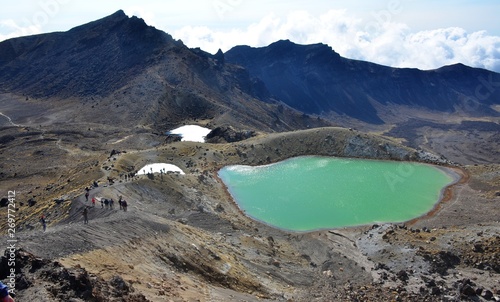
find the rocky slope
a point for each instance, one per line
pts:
(98, 58)
(120, 71)
(315, 79)
(433, 109)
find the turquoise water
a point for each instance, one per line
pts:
(310, 193)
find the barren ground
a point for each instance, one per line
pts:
(184, 239)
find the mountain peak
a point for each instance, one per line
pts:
(116, 16)
(455, 67)
(119, 13)
(111, 22)
(113, 44)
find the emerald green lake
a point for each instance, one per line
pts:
(310, 193)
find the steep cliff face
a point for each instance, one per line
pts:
(315, 79)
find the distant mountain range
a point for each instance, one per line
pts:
(120, 61)
(315, 79)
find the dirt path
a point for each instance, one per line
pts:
(9, 120)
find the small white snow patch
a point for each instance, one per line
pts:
(158, 168)
(191, 133)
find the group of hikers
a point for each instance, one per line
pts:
(105, 203)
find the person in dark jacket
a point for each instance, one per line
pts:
(43, 222)
(4, 293)
(124, 205)
(85, 216)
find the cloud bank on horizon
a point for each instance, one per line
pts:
(379, 36)
(383, 42)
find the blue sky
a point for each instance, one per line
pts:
(404, 33)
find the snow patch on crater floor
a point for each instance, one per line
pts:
(191, 133)
(159, 168)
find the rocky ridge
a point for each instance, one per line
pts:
(316, 79)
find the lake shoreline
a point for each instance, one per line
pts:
(461, 176)
(445, 194)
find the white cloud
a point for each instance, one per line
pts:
(387, 43)
(11, 29)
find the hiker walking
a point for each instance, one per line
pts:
(87, 196)
(111, 201)
(85, 216)
(43, 222)
(120, 202)
(106, 203)
(124, 205)
(93, 202)
(102, 203)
